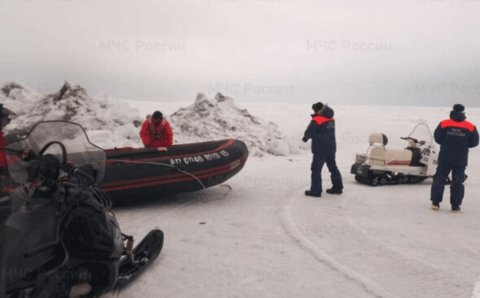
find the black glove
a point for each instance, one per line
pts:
(304, 139)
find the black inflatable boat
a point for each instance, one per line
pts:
(151, 173)
(133, 174)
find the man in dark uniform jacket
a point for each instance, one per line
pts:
(322, 132)
(455, 136)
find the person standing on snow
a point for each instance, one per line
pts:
(156, 131)
(455, 136)
(322, 132)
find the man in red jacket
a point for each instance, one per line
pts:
(156, 131)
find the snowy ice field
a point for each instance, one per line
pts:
(257, 235)
(264, 238)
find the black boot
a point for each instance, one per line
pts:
(455, 209)
(311, 194)
(333, 191)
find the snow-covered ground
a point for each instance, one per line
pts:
(264, 238)
(259, 236)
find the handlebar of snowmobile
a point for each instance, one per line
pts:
(77, 172)
(19, 152)
(409, 138)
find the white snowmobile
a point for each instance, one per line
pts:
(382, 165)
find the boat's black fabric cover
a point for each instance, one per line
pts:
(151, 173)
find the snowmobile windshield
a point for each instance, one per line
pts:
(79, 151)
(422, 132)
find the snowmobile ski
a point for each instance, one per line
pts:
(142, 256)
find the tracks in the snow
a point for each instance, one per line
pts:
(322, 256)
(328, 233)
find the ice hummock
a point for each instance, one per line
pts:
(220, 118)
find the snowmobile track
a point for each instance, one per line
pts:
(412, 277)
(322, 256)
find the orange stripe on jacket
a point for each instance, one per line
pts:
(464, 124)
(320, 119)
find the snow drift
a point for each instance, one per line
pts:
(114, 123)
(220, 118)
(70, 103)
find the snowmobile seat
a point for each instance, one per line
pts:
(381, 156)
(378, 139)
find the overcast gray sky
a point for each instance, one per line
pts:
(403, 52)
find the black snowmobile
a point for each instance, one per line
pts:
(59, 237)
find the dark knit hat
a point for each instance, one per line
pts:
(157, 115)
(317, 106)
(459, 108)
